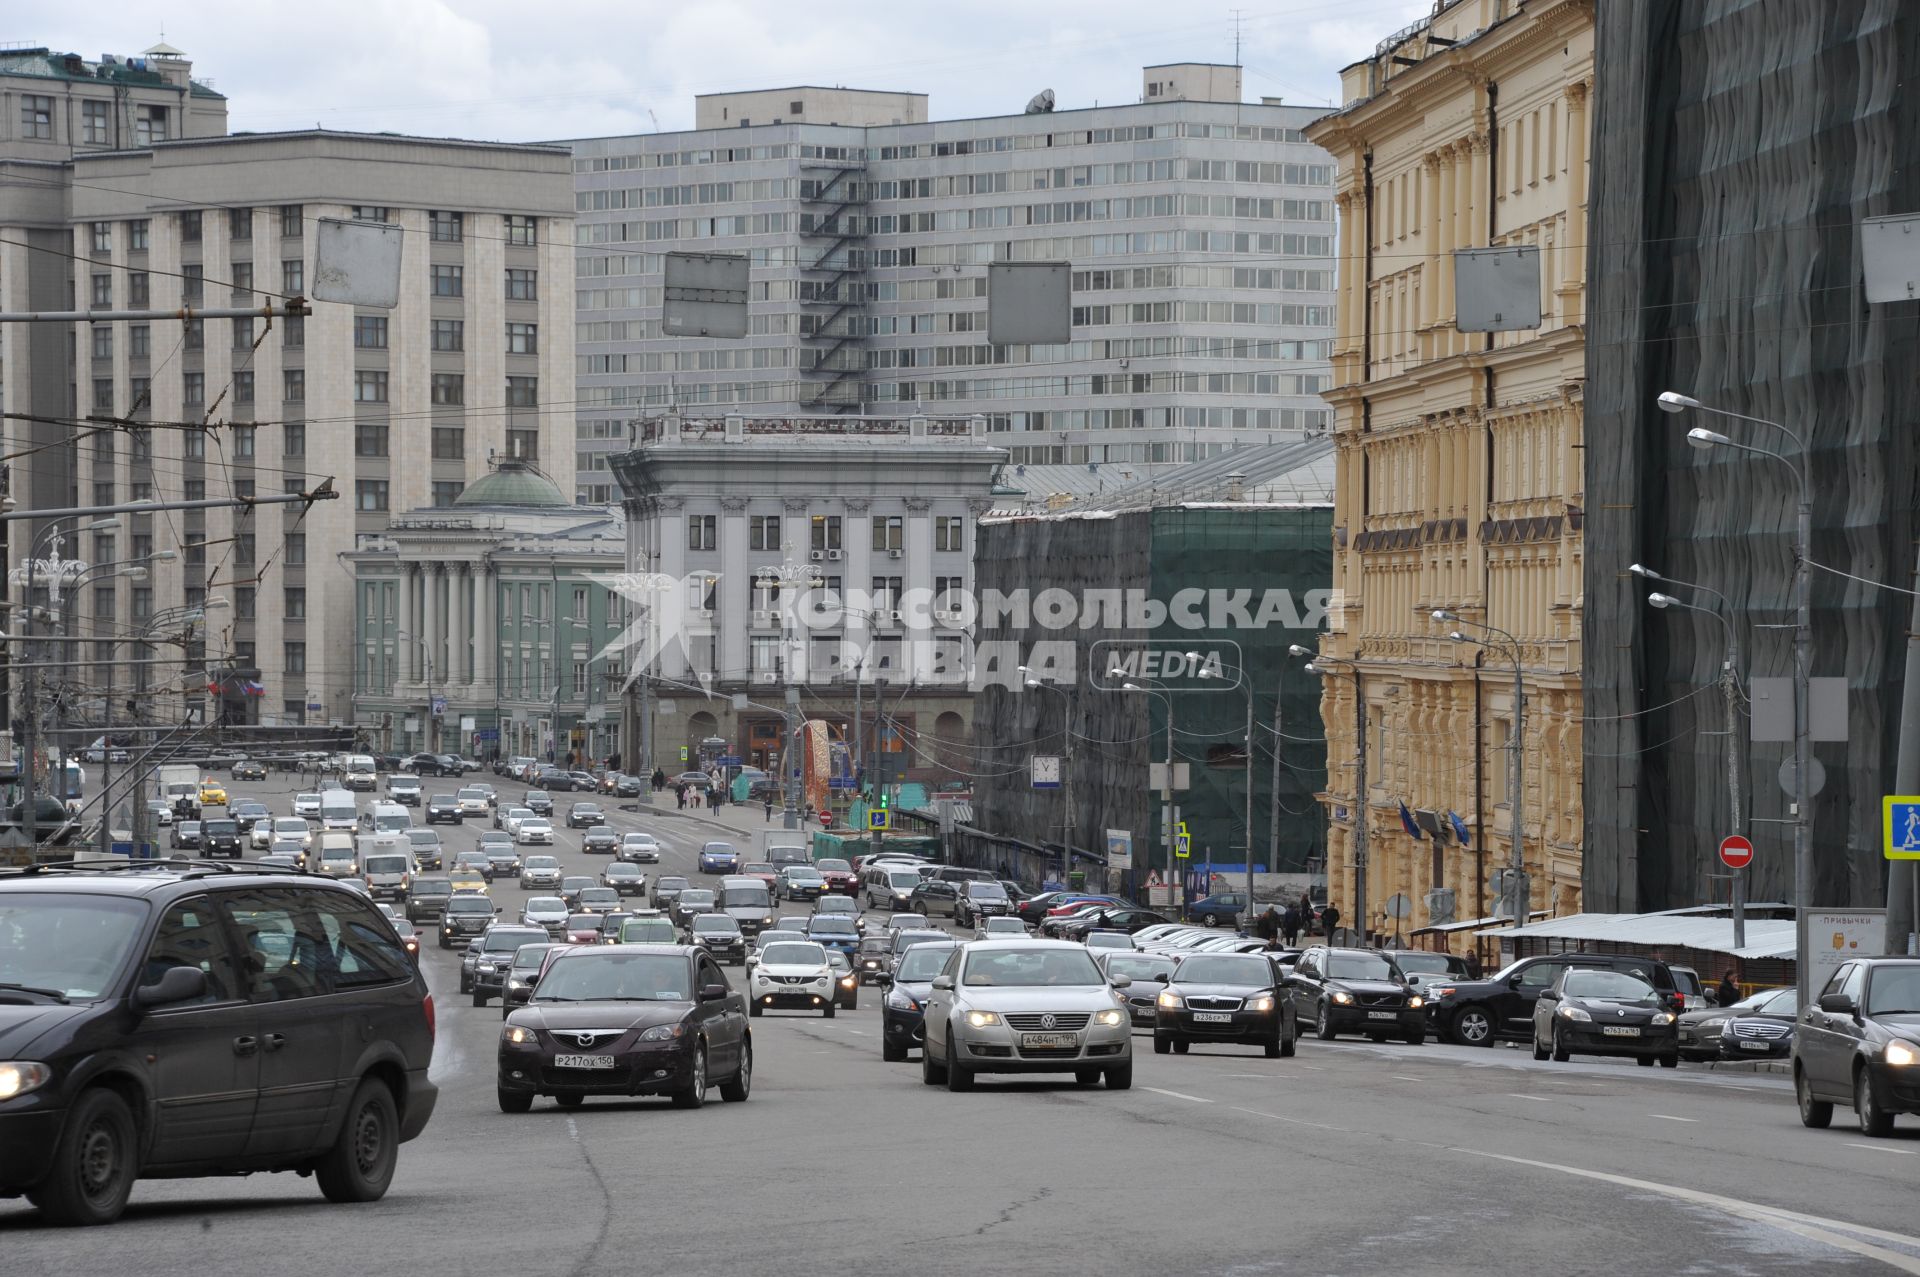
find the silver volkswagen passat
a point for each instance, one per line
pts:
(1026, 1006)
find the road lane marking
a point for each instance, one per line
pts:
(1811, 1227)
(1668, 1117)
(1537, 1099)
(1291, 1121)
(1178, 1095)
(1257, 1077)
(1401, 1077)
(1882, 1148)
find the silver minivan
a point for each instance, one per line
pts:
(388, 875)
(888, 885)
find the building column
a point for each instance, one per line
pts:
(918, 576)
(1573, 254)
(409, 619)
(433, 668)
(1430, 299)
(857, 537)
(486, 631)
(671, 608)
(1448, 239)
(463, 621)
(1478, 207)
(736, 588)
(1347, 319)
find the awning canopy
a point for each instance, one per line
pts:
(1766, 937)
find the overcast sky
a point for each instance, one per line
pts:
(517, 71)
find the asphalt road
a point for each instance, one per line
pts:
(1349, 1158)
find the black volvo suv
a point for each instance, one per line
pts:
(188, 1018)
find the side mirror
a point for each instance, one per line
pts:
(1548, 995)
(943, 982)
(1164, 977)
(1513, 981)
(1122, 981)
(1834, 1004)
(176, 984)
(713, 992)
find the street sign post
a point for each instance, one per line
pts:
(1900, 827)
(1119, 849)
(1182, 841)
(878, 819)
(1736, 852)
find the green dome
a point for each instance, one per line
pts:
(514, 483)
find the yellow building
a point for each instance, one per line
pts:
(1460, 479)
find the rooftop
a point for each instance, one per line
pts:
(44, 63)
(1766, 937)
(827, 431)
(513, 483)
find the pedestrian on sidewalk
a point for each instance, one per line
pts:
(769, 803)
(1729, 992)
(1330, 918)
(659, 780)
(1267, 926)
(680, 796)
(1290, 924)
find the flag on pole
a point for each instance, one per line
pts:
(1406, 823)
(1459, 828)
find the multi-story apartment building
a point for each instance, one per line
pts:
(831, 556)
(397, 409)
(1199, 228)
(1459, 474)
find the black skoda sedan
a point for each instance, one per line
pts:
(1227, 998)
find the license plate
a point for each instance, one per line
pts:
(1049, 1041)
(1756, 1046)
(583, 1061)
(1213, 1017)
(1619, 1031)
(1380, 1015)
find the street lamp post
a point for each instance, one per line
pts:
(1170, 823)
(1522, 888)
(1246, 685)
(426, 659)
(774, 578)
(1068, 822)
(1318, 664)
(1702, 438)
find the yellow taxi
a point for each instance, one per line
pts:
(212, 793)
(468, 880)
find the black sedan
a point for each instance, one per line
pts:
(444, 809)
(600, 840)
(539, 802)
(872, 959)
(1145, 970)
(585, 815)
(1762, 1032)
(1700, 1031)
(1596, 1012)
(626, 1020)
(1222, 997)
(249, 769)
(1128, 920)
(903, 1014)
(846, 984)
(1860, 1043)
(1356, 991)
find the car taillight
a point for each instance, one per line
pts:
(426, 1006)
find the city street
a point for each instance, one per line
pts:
(1349, 1158)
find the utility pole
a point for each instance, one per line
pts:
(1273, 811)
(1903, 876)
(1359, 805)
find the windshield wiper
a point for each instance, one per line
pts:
(55, 994)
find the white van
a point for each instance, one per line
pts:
(359, 772)
(333, 854)
(338, 809)
(385, 818)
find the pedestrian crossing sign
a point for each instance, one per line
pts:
(1900, 824)
(878, 818)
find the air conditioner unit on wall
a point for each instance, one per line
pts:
(893, 554)
(833, 556)
(817, 555)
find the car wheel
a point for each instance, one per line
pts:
(1162, 1045)
(1645, 1061)
(1815, 1114)
(891, 1053)
(1290, 1038)
(1180, 1046)
(753, 1009)
(466, 985)
(1209, 921)
(1086, 1077)
(1120, 1077)
(94, 1164)
(479, 998)
(1874, 1120)
(360, 1164)
(1273, 1049)
(1539, 1052)
(959, 1076)
(740, 1086)
(1669, 1061)
(827, 1011)
(515, 1101)
(1323, 1023)
(931, 1073)
(1473, 1026)
(695, 1093)
(1416, 1037)
(1560, 1053)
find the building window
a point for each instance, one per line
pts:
(523, 392)
(444, 228)
(150, 126)
(370, 495)
(826, 532)
(523, 445)
(102, 341)
(369, 387)
(142, 602)
(449, 443)
(243, 440)
(194, 489)
(886, 593)
(194, 334)
(449, 334)
(242, 273)
(370, 332)
(293, 277)
(139, 290)
(139, 232)
(193, 283)
(449, 388)
(523, 339)
(948, 593)
(521, 286)
(245, 546)
(369, 440)
(293, 384)
(763, 532)
(190, 226)
(520, 230)
(193, 389)
(141, 388)
(240, 223)
(243, 333)
(579, 603)
(36, 116)
(579, 678)
(94, 129)
(103, 238)
(291, 221)
(139, 341)
(446, 492)
(948, 532)
(243, 602)
(889, 532)
(446, 281)
(295, 435)
(370, 213)
(102, 290)
(295, 658)
(195, 446)
(296, 549)
(293, 332)
(103, 394)
(243, 386)
(703, 531)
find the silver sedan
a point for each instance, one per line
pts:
(1026, 1006)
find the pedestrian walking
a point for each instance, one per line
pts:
(1473, 964)
(680, 796)
(769, 804)
(659, 780)
(1267, 926)
(1729, 992)
(1290, 924)
(1330, 918)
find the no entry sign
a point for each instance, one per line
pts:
(1736, 852)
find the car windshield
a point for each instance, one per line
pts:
(715, 922)
(803, 875)
(530, 955)
(923, 962)
(791, 953)
(695, 896)
(1423, 962)
(583, 922)
(876, 944)
(221, 826)
(469, 904)
(1615, 986)
(432, 886)
(289, 825)
(1027, 968)
(538, 796)
(985, 891)
(1139, 968)
(646, 931)
(904, 879)
(599, 893)
(1894, 990)
(830, 925)
(546, 904)
(744, 897)
(540, 862)
(389, 864)
(1360, 966)
(73, 946)
(669, 883)
(1240, 972)
(621, 869)
(719, 849)
(1777, 1002)
(471, 792)
(508, 939)
(616, 977)
(837, 904)
(637, 840)
(833, 866)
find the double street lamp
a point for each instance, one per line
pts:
(1066, 761)
(1516, 883)
(1323, 666)
(1169, 826)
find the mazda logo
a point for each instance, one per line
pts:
(586, 1039)
(1048, 1021)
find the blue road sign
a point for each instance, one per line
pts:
(1900, 822)
(840, 782)
(727, 760)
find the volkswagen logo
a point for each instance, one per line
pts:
(1047, 1021)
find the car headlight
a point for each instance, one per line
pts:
(1897, 1052)
(1574, 1013)
(17, 1077)
(1110, 1017)
(664, 1033)
(516, 1034)
(1441, 990)
(1663, 1017)
(1344, 998)
(847, 981)
(1261, 1004)
(516, 984)
(1415, 1002)
(767, 921)
(981, 1019)
(901, 1001)
(1170, 1000)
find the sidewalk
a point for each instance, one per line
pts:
(735, 819)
